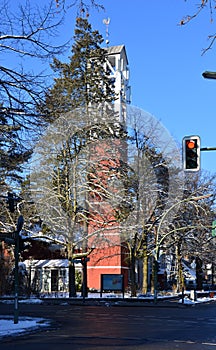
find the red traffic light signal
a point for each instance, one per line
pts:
(191, 153)
(190, 144)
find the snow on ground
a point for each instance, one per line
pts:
(25, 325)
(188, 301)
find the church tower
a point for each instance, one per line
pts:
(111, 259)
(117, 64)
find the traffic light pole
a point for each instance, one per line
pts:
(208, 149)
(11, 206)
(20, 223)
(16, 279)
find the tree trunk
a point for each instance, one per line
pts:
(153, 276)
(145, 274)
(180, 274)
(72, 283)
(71, 272)
(199, 274)
(145, 264)
(84, 278)
(133, 274)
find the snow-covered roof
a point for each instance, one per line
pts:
(48, 263)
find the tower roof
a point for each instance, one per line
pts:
(113, 50)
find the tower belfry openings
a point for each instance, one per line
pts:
(117, 64)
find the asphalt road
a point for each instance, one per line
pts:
(105, 327)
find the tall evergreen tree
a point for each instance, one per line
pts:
(81, 82)
(13, 151)
(84, 79)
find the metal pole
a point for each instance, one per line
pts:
(16, 279)
(209, 75)
(208, 149)
(20, 223)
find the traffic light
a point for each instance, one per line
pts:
(191, 153)
(11, 202)
(20, 223)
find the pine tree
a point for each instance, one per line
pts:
(84, 79)
(82, 82)
(13, 152)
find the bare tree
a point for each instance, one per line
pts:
(157, 186)
(99, 184)
(26, 34)
(28, 41)
(189, 234)
(200, 6)
(28, 38)
(82, 5)
(72, 182)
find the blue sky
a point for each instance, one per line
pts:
(165, 63)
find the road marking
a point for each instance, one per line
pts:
(194, 342)
(185, 341)
(190, 321)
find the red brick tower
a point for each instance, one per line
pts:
(109, 255)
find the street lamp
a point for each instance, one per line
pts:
(209, 75)
(159, 241)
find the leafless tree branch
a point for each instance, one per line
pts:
(202, 4)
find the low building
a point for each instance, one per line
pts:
(50, 276)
